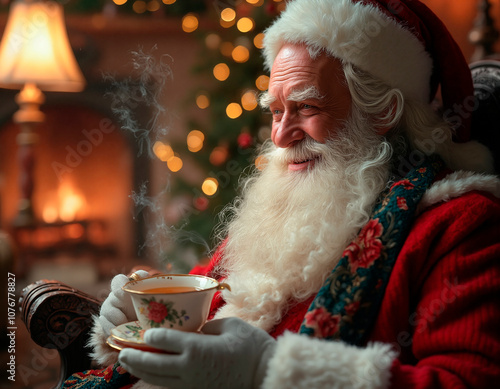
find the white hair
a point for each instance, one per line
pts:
(416, 126)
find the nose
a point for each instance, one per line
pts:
(287, 132)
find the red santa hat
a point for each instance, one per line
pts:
(399, 41)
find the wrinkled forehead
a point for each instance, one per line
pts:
(295, 69)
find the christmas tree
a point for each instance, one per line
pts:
(223, 144)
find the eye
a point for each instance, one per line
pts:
(308, 109)
(276, 111)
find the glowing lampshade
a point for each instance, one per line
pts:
(35, 55)
(35, 49)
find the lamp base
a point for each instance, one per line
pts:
(25, 216)
(27, 117)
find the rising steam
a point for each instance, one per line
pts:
(143, 91)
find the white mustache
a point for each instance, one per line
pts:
(305, 150)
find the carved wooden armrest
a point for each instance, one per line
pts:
(60, 317)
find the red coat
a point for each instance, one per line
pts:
(440, 312)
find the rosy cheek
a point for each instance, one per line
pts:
(317, 129)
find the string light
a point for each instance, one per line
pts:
(210, 186)
(226, 24)
(249, 100)
(139, 6)
(234, 110)
(226, 49)
(245, 24)
(212, 41)
(162, 151)
(221, 71)
(189, 23)
(174, 164)
(218, 156)
(240, 54)
(202, 101)
(262, 82)
(153, 6)
(228, 14)
(258, 40)
(195, 141)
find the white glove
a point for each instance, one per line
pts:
(117, 308)
(229, 354)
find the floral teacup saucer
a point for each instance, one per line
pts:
(129, 335)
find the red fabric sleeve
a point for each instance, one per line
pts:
(452, 265)
(209, 270)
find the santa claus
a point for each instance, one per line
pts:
(365, 254)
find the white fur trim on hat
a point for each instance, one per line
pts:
(302, 362)
(357, 33)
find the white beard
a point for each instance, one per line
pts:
(289, 229)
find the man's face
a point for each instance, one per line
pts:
(307, 98)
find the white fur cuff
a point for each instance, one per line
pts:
(301, 362)
(457, 184)
(103, 354)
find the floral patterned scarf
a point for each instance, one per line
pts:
(347, 305)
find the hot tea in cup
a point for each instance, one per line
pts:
(179, 301)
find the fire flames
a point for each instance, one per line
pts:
(66, 205)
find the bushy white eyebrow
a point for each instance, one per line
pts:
(266, 99)
(309, 92)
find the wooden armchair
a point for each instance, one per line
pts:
(60, 317)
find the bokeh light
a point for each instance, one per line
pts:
(245, 24)
(174, 164)
(258, 40)
(221, 71)
(202, 101)
(227, 24)
(228, 14)
(234, 110)
(249, 100)
(212, 41)
(226, 49)
(240, 54)
(218, 155)
(153, 6)
(262, 82)
(139, 6)
(168, 2)
(119, 2)
(210, 186)
(163, 151)
(195, 141)
(189, 23)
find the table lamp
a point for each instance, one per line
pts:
(35, 56)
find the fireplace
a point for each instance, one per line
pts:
(85, 170)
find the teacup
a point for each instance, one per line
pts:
(178, 301)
